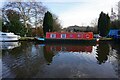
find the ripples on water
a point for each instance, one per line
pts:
(35, 60)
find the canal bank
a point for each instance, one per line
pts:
(27, 39)
(65, 41)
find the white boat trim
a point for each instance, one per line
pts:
(7, 37)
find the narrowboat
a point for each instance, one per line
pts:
(68, 37)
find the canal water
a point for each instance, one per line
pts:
(37, 60)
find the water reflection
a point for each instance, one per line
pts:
(8, 45)
(31, 60)
(48, 55)
(69, 48)
(103, 50)
(22, 62)
(51, 50)
(115, 46)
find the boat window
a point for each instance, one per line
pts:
(63, 35)
(3, 34)
(53, 49)
(79, 35)
(118, 32)
(63, 48)
(87, 35)
(53, 36)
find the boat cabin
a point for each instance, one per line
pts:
(69, 35)
(115, 33)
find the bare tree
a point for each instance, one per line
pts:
(94, 22)
(0, 20)
(31, 12)
(56, 24)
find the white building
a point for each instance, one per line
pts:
(113, 15)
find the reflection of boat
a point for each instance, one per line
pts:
(8, 37)
(52, 50)
(69, 48)
(9, 45)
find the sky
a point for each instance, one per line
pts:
(78, 12)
